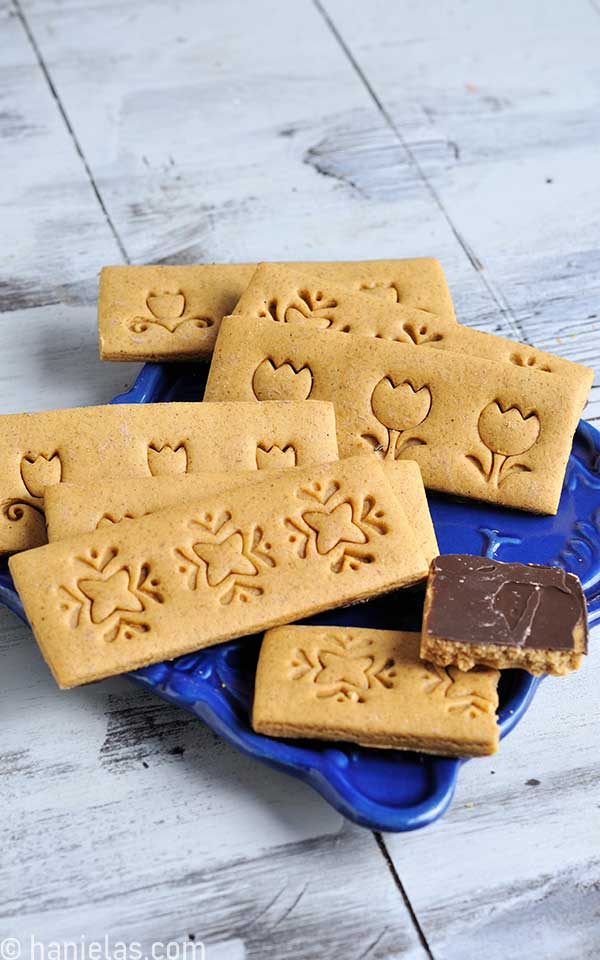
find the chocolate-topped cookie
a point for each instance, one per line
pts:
(482, 611)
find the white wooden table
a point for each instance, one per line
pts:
(191, 130)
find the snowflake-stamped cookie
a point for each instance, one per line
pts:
(227, 565)
(371, 687)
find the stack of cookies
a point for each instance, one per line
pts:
(337, 392)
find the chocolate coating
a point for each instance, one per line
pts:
(479, 600)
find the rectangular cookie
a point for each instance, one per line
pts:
(283, 293)
(320, 294)
(72, 509)
(482, 611)
(477, 428)
(370, 687)
(407, 483)
(157, 439)
(231, 564)
(166, 312)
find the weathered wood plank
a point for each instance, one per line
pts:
(258, 156)
(507, 143)
(499, 112)
(209, 143)
(123, 816)
(55, 239)
(518, 850)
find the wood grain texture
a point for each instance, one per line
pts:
(55, 238)
(124, 816)
(231, 144)
(498, 111)
(172, 131)
(520, 843)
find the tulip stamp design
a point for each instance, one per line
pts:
(312, 309)
(282, 381)
(227, 560)
(343, 669)
(275, 457)
(455, 687)
(167, 460)
(530, 360)
(385, 292)
(399, 409)
(114, 596)
(336, 527)
(507, 433)
(418, 334)
(40, 470)
(108, 519)
(167, 311)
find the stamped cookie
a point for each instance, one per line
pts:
(371, 687)
(280, 293)
(166, 312)
(321, 295)
(72, 509)
(407, 483)
(231, 564)
(479, 428)
(158, 439)
(482, 611)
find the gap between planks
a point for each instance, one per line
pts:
(61, 109)
(494, 292)
(400, 886)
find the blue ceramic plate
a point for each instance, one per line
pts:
(380, 789)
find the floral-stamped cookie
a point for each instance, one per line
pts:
(372, 688)
(166, 312)
(72, 509)
(229, 564)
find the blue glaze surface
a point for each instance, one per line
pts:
(380, 789)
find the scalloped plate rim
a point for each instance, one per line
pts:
(318, 767)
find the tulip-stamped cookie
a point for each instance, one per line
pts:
(159, 439)
(166, 312)
(482, 611)
(323, 302)
(483, 429)
(231, 564)
(371, 687)
(72, 509)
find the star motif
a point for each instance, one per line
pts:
(333, 528)
(109, 596)
(223, 559)
(338, 669)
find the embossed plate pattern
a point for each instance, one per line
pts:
(382, 790)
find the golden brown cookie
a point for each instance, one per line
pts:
(231, 564)
(371, 687)
(72, 509)
(166, 312)
(479, 428)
